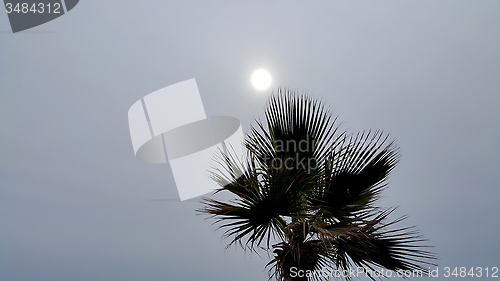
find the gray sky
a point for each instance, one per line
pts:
(75, 203)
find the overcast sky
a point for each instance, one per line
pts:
(75, 204)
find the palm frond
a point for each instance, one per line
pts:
(354, 174)
(299, 129)
(375, 244)
(264, 197)
(319, 202)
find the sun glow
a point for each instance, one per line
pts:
(261, 79)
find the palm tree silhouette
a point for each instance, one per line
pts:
(306, 192)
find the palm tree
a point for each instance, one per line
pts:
(306, 192)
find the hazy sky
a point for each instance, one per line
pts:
(75, 204)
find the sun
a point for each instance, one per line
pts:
(261, 79)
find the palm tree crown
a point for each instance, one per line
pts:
(305, 191)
